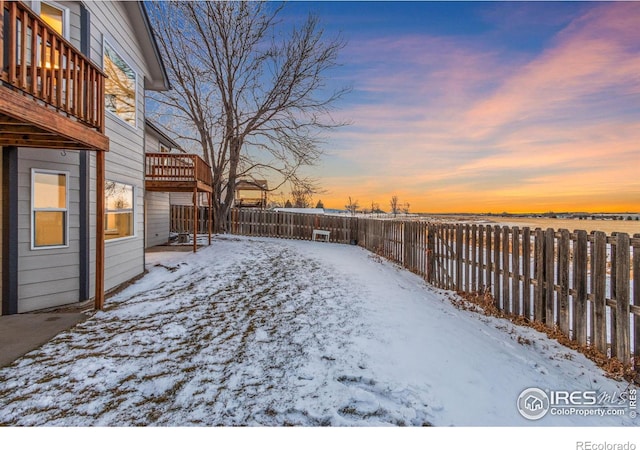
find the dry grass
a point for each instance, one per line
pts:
(483, 302)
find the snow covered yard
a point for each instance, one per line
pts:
(254, 331)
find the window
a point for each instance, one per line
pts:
(164, 148)
(53, 16)
(50, 208)
(120, 86)
(119, 210)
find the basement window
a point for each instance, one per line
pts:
(49, 209)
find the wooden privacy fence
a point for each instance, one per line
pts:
(182, 219)
(586, 285)
(256, 222)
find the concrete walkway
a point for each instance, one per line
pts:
(21, 333)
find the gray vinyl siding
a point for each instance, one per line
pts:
(47, 277)
(157, 217)
(124, 258)
(184, 199)
(152, 144)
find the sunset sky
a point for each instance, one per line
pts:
(485, 107)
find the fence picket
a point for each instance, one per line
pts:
(599, 283)
(526, 272)
(515, 268)
(563, 281)
(580, 283)
(549, 280)
(622, 297)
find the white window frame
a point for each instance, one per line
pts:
(36, 6)
(106, 42)
(32, 233)
(133, 212)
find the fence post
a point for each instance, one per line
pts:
(466, 260)
(563, 281)
(489, 266)
(496, 267)
(431, 250)
(580, 284)
(599, 279)
(459, 249)
(506, 297)
(526, 272)
(622, 255)
(549, 280)
(636, 300)
(539, 306)
(474, 260)
(480, 269)
(515, 266)
(613, 335)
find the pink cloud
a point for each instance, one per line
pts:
(598, 51)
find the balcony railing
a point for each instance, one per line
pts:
(177, 167)
(38, 61)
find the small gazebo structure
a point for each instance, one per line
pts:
(251, 194)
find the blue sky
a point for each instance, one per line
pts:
(485, 106)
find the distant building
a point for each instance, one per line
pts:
(251, 194)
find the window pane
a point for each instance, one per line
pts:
(50, 190)
(118, 196)
(52, 16)
(119, 87)
(119, 214)
(118, 225)
(49, 228)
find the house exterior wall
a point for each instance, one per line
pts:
(157, 217)
(47, 277)
(51, 277)
(152, 143)
(124, 258)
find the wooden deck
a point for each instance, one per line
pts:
(52, 95)
(177, 172)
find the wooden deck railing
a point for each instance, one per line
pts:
(38, 61)
(177, 167)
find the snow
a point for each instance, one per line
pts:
(268, 332)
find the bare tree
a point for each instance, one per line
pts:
(405, 208)
(395, 206)
(352, 206)
(248, 94)
(301, 197)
